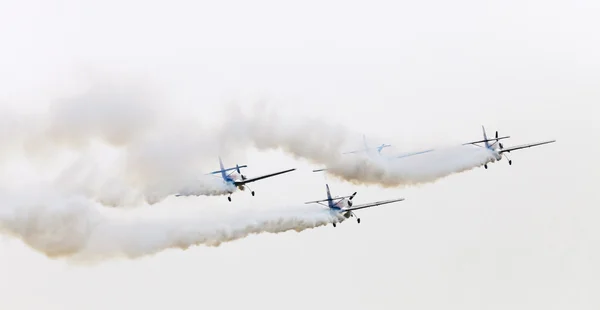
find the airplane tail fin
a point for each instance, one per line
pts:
(222, 168)
(487, 144)
(329, 200)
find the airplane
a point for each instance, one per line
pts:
(498, 149)
(344, 204)
(379, 148)
(241, 184)
(367, 148)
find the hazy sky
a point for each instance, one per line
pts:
(416, 74)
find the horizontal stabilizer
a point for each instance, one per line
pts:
(316, 201)
(486, 140)
(370, 148)
(333, 199)
(228, 169)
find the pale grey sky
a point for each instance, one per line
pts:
(415, 74)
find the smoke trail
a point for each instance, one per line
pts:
(113, 112)
(151, 154)
(322, 143)
(80, 230)
(422, 168)
(108, 182)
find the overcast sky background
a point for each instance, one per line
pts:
(414, 74)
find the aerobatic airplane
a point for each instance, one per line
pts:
(381, 147)
(344, 205)
(241, 184)
(367, 148)
(498, 149)
(378, 148)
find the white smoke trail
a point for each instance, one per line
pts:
(422, 168)
(105, 182)
(151, 154)
(322, 143)
(80, 230)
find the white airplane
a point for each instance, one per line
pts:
(241, 184)
(498, 149)
(344, 205)
(368, 149)
(379, 148)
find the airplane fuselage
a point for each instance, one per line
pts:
(494, 150)
(338, 208)
(340, 215)
(230, 182)
(230, 185)
(497, 156)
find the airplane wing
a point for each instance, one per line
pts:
(508, 149)
(242, 182)
(415, 153)
(353, 152)
(322, 169)
(481, 141)
(228, 169)
(372, 204)
(332, 198)
(316, 201)
(365, 149)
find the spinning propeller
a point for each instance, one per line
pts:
(350, 199)
(237, 169)
(498, 141)
(501, 147)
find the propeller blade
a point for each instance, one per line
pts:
(496, 134)
(353, 195)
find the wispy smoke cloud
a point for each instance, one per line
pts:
(123, 143)
(124, 149)
(160, 155)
